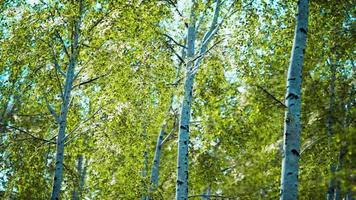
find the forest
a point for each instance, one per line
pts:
(177, 99)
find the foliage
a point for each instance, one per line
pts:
(127, 73)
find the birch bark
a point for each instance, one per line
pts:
(58, 173)
(192, 67)
(183, 134)
(292, 127)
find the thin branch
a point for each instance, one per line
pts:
(207, 37)
(272, 96)
(51, 110)
(175, 53)
(27, 133)
(201, 56)
(97, 22)
(80, 70)
(170, 135)
(228, 168)
(201, 18)
(91, 80)
(213, 25)
(176, 82)
(58, 35)
(83, 122)
(55, 61)
(60, 86)
(174, 41)
(75, 136)
(177, 10)
(312, 144)
(77, 127)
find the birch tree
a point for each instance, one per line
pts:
(191, 68)
(62, 117)
(292, 127)
(125, 75)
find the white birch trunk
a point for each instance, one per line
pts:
(292, 127)
(157, 159)
(58, 173)
(183, 135)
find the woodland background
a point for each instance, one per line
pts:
(127, 89)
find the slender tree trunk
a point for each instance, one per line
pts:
(58, 174)
(348, 195)
(77, 189)
(144, 174)
(82, 179)
(292, 127)
(337, 185)
(157, 158)
(145, 165)
(330, 122)
(183, 135)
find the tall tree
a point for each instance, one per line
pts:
(292, 126)
(62, 118)
(192, 66)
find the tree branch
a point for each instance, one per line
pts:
(312, 144)
(201, 56)
(83, 122)
(272, 96)
(27, 133)
(175, 53)
(60, 86)
(170, 135)
(52, 111)
(177, 10)
(55, 61)
(174, 41)
(91, 80)
(58, 35)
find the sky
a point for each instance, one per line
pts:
(32, 1)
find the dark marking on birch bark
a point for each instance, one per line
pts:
(184, 127)
(303, 30)
(295, 152)
(292, 95)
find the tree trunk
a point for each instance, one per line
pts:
(292, 127)
(183, 135)
(58, 173)
(330, 122)
(157, 156)
(82, 179)
(81, 172)
(145, 165)
(156, 159)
